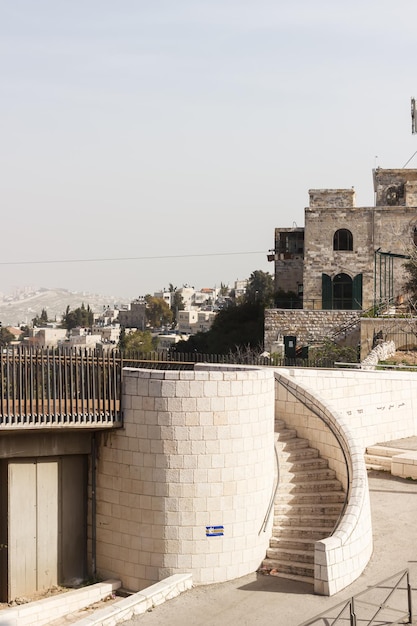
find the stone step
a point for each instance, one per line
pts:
(310, 474)
(316, 522)
(279, 424)
(305, 464)
(303, 544)
(373, 461)
(308, 508)
(295, 578)
(285, 434)
(305, 570)
(385, 451)
(376, 468)
(312, 497)
(309, 486)
(292, 444)
(298, 556)
(303, 532)
(288, 456)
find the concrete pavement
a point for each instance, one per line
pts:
(258, 599)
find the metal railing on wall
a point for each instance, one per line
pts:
(388, 602)
(73, 387)
(187, 360)
(59, 387)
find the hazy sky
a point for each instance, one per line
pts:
(180, 133)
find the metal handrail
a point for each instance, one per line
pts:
(350, 608)
(337, 436)
(274, 493)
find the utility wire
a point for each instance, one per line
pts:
(133, 258)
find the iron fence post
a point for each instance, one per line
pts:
(410, 606)
(352, 612)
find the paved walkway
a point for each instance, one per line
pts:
(256, 599)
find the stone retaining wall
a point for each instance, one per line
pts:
(186, 484)
(377, 405)
(310, 326)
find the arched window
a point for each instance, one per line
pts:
(341, 292)
(343, 240)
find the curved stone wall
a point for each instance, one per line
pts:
(377, 405)
(186, 484)
(341, 558)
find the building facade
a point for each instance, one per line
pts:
(134, 316)
(348, 257)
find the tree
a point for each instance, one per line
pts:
(158, 312)
(25, 332)
(234, 328)
(224, 290)
(6, 337)
(260, 289)
(239, 327)
(287, 300)
(137, 341)
(82, 316)
(410, 283)
(329, 352)
(41, 320)
(177, 304)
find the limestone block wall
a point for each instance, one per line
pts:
(376, 405)
(332, 198)
(288, 273)
(385, 178)
(310, 326)
(196, 452)
(384, 228)
(341, 558)
(321, 223)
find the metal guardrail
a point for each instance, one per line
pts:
(186, 360)
(380, 604)
(57, 387)
(274, 492)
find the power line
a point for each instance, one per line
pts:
(133, 258)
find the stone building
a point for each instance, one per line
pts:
(346, 258)
(134, 316)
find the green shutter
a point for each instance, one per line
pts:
(357, 292)
(326, 292)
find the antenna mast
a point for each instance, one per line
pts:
(413, 126)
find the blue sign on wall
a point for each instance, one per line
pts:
(214, 531)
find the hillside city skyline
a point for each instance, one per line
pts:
(20, 307)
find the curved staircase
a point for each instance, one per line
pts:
(307, 505)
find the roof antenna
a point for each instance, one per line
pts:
(413, 126)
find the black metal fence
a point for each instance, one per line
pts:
(186, 360)
(388, 603)
(71, 387)
(59, 387)
(403, 339)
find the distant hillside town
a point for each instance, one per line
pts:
(171, 315)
